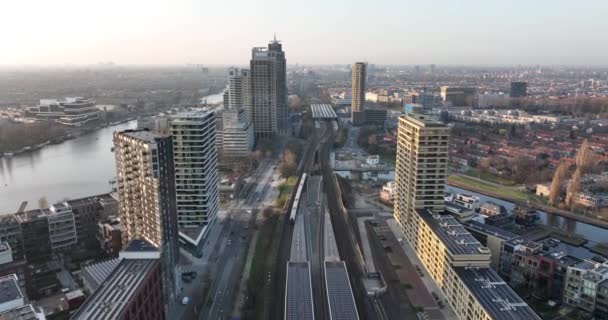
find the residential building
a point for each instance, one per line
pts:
(133, 290)
(491, 237)
(490, 209)
(518, 89)
(35, 234)
(239, 92)
(387, 195)
(456, 261)
(196, 173)
(10, 232)
(458, 96)
(236, 135)
(358, 92)
(551, 274)
(62, 229)
(269, 90)
(13, 301)
(147, 189)
(88, 213)
(582, 283)
(109, 236)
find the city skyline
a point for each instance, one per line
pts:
(440, 32)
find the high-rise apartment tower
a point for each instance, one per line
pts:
(358, 92)
(269, 90)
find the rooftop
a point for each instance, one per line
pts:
(25, 312)
(494, 295)
(95, 274)
(298, 294)
(9, 289)
(422, 121)
(452, 234)
(116, 291)
(323, 111)
(144, 135)
(491, 230)
(339, 292)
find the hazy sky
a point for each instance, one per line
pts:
(313, 31)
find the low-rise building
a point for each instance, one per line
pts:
(13, 302)
(62, 230)
(387, 195)
(109, 236)
(490, 209)
(582, 283)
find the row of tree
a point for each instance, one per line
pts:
(585, 162)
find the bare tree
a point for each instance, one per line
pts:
(556, 183)
(584, 157)
(573, 188)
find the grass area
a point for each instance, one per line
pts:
(263, 261)
(489, 177)
(285, 189)
(506, 193)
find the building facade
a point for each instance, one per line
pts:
(358, 92)
(518, 89)
(196, 173)
(147, 207)
(269, 90)
(456, 261)
(239, 91)
(236, 135)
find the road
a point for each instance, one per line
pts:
(236, 238)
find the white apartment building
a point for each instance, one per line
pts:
(196, 174)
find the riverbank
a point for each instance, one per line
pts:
(73, 134)
(512, 194)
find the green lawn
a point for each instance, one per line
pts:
(489, 177)
(504, 192)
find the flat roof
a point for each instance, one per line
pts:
(452, 234)
(422, 121)
(494, 294)
(25, 312)
(298, 294)
(323, 111)
(491, 230)
(109, 300)
(97, 273)
(144, 135)
(9, 289)
(341, 301)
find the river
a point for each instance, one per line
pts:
(592, 233)
(72, 169)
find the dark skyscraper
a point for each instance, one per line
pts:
(519, 89)
(269, 89)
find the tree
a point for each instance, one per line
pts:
(573, 188)
(556, 183)
(584, 157)
(289, 164)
